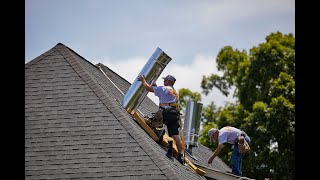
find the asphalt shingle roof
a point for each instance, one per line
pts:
(75, 126)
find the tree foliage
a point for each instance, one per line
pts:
(209, 113)
(265, 88)
(185, 95)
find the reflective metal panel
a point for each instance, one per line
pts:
(191, 124)
(152, 70)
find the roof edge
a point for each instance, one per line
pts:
(216, 174)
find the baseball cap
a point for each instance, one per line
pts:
(210, 133)
(169, 77)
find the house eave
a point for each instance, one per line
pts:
(216, 174)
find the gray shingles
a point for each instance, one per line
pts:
(202, 154)
(76, 127)
(56, 140)
(147, 106)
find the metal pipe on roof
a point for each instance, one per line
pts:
(191, 125)
(152, 70)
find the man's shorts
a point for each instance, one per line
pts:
(171, 119)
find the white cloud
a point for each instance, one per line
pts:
(193, 31)
(188, 76)
(220, 15)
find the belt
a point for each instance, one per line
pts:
(169, 104)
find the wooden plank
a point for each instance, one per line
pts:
(143, 124)
(194, 167)
(164, 142)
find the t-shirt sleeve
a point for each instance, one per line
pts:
(157, 90)
(222, 138)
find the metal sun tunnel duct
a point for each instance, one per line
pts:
(151, 70)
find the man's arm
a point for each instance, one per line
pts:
(215, 153)
(145, 84)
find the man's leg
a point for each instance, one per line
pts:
(173, 131)
(178, 142)
(169, 153)
(179, 147)
(246, 138)
(236, 160)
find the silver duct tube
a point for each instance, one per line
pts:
(152, 70)
(191, 124)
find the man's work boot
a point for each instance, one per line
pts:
(180, 159)
(169, 151)
(160, 134)
(147, 121)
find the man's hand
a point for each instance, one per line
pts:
(140, 77)
(144, 83)
(215, 153)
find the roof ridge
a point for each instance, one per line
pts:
(42, 56)
(104, 66)
(118, 112)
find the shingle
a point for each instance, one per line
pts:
(75, 126)
(63, 141)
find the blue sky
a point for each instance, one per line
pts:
(123, 34)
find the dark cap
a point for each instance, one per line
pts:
(169, 77)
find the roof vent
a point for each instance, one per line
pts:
(191, 125)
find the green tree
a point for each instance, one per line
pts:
(185, 95)
(264, 81)
(209, 113)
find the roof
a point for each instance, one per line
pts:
(75, 126)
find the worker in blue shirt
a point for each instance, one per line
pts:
(169, 103)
